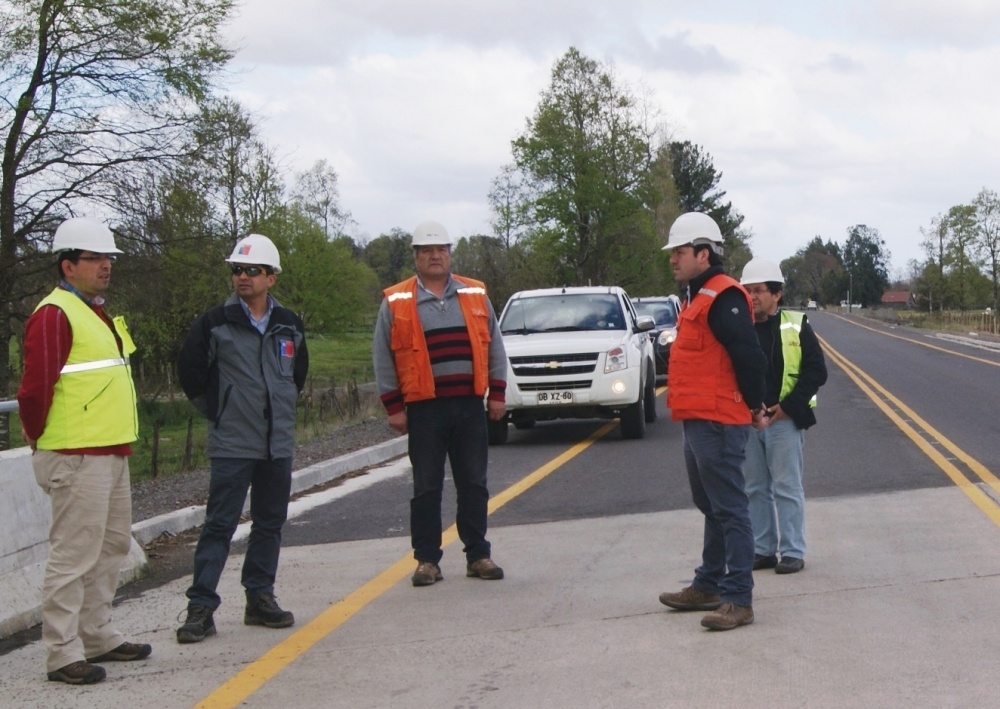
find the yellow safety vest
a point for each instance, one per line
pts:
(790, 325)
(94, 399)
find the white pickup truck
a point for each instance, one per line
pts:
(577, 352)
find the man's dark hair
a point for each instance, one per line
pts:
(713, 258)
(774, 287)
(71, 255)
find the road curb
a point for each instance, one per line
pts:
(179, 521)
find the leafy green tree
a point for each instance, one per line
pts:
(697, 188)
(90, 90)
(960, 261)
(320, 280)
(390, 256)
(866, 265)
(987, 206)
(586, 153)
(807, 271)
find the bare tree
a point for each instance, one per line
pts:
(317, 195)
(89, 90)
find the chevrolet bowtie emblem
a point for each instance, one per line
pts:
(553, 365)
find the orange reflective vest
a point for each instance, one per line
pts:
(409, 347)
(702, 379)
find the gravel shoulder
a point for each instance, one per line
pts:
(167, 493)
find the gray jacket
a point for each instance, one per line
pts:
(245, 383)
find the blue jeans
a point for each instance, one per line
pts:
(452, 428)
(774, 484)
(270, 483)
(714, 456)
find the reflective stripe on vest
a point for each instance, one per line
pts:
(790, 328)
(99, 364)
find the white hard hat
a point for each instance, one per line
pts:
(256, 249)
(759, 270)
(431, 233)
(85, 234)
(694, 229)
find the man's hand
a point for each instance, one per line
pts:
(496, 410)
(760, 421)
(28, 439)
(399, 422)
(775, 413)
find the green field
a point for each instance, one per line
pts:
(335, 363)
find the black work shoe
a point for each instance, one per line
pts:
(197, 626)
(427, 574)
(79, 672)
(789, 565)
(484, 568)
(126, 652)
(761, 561)
(264, 610)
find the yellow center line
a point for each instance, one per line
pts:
(257, 673)
(869, 386)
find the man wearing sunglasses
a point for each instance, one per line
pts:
(243, 366)
(78, 413)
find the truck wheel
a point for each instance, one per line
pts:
(650, 403)
(633, 419)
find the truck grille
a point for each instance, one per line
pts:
(554, 365)
(550, 386)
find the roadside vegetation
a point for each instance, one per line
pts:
(120, 110)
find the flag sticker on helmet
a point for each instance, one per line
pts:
(244, 250)
(286, 348)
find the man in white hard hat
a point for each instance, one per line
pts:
(717, 390)
(795, 371)
(242, 366)
(81, 442)
(437, 352)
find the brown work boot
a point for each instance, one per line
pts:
(79, 672)
(484, 568)
(728, 616)
(427, 574)
(126, 652)
(691, 599)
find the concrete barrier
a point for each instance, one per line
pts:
(25, 517)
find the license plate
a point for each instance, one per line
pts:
(555, 397)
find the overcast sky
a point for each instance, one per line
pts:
(820, 115)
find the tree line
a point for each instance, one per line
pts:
(117, 110)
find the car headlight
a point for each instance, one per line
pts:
(616, 361)
(667, 337)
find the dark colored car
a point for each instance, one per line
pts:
(663, 310)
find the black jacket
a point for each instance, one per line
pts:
(812, 372)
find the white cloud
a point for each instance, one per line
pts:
(819, 115)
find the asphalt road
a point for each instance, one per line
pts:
(854, 450)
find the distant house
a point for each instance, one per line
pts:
(898, 299)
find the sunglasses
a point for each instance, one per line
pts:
(102, 257)
(249, 270)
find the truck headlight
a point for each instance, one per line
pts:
(616, 361)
